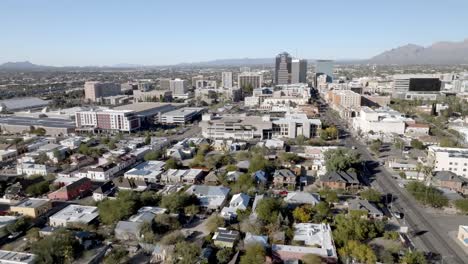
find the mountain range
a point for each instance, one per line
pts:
(438, 53)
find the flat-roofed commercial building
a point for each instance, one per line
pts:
(412, 87)
(21, 124)
(259, 127)
(13, 257)
(95, 90)
(181, 116)
(74, 214)
(32, 207)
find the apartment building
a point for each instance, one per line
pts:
(250, 79)
(449, 159)
(107, 120)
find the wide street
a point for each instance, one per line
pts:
(426, 234)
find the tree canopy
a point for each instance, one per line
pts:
(341, 159)
(254, 254)
(268, 209)
(427, 195)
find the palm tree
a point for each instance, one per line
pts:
(419, 168)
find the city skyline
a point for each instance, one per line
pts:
(105, 33)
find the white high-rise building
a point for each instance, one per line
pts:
(226, 80)
(295, 69)
(177, 87)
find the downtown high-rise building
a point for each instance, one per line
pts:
(251, 80)
(298, 71)
(226, 80)
(290, 70)
(283, 65)
(324, 67)
(96, 90)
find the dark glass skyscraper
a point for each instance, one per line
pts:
(283, 68)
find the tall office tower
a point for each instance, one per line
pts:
(298, 71)
(95, 90)
(164, 84)
(177, 87)
(226, 80)
(195, 79)
(324, 67)
(283, 68)
(144, 86)
(250, 79)
(244, 69)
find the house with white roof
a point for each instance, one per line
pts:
(74, 214)
(149, 171)
(316, 238)
(238, 201)
(210, 197)
(294, 199)
(189, 176)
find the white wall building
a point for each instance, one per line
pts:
(226, 79)
(449, 159)
(74, 214)
(383, 120)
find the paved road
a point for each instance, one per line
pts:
(430, 236)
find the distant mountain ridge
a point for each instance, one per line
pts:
(444, 52)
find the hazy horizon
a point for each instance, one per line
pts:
(90, 33)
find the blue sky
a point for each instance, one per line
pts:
(105, 32)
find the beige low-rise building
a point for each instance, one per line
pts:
(32, 207)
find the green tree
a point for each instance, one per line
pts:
(38, 189)
(353, 227)
(258, 162)
(417, 144)
(355, 250)
(172, 238)
(375, 146)
(312, 259)
(244, 184)
(60, 247)
(329, 195)
(447, 142)
(290, 157)
(303, 214)
(413, 257)
(153, 155)
(427, 195)
(118, 255)
(213, 222)
(341, 159)
(371, 195)
(224, 255)
(268, 210)
(254, 254)
(399, 144)
(112, 211)
(171, 163)
(185, 252)
(176, 202)
(462, 205)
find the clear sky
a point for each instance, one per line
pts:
(107, 32)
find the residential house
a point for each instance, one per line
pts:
(294, 199)
(254, 239)
(449, 180)
(72, 191)
(339, 180)
(315, 238)
(260, 177)
(107, 190)
(368, 209)
(14, 257)
(149, 171)
(122, 183)
(130, 230)
(225, 238)
(162, 253)
(238, 201)
(189, 176)
(210, 197)
(284, 178)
